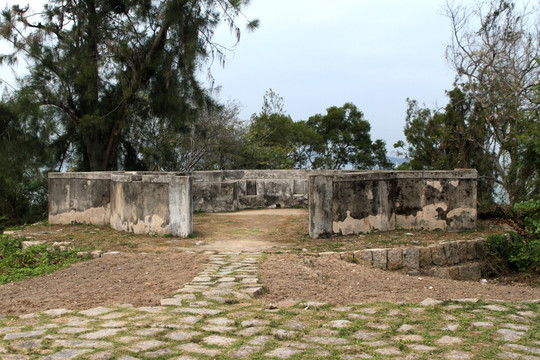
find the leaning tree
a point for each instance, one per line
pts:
(101, 67)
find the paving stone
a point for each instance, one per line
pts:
(220, 321)
(86, 344)
(218, 329)
(171, 302)
(339, 324)
(531, 314)
(100, 334)
(326, 340)
(159, 353)
(283, 352)
(198, 311)
(114, 324)
(451, 327)
(523, 348)
(15, 357)
(185, 357)
(102, 355)
(250, 331)
(509, 355)
(388, 351)
(73, 330)
(283, 334)
(23, 334)
(146, 345)
(448, 340)
(152, 309)
(483, 324)
(494, 307)
(368, 310)
(295, 325)
(517, 327)
(127, 339)
(57, 312)
(406, 327)
(356, 356)
(182, 335)
(430, 301)
(219, 340)
(149, 331)
(67, 354)
(244, 351)
(198, 349)
(27, 345)
(422, 348)
(255, 322)
(410, 337)
(510, 335)
(260, 340)
(457, 355)
(365, 335)
(95, 311)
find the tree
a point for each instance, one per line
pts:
(102, 67)
(449, 139)
(213, 141)
(345, 141)
(24, 161)
(274, 139)
(494, 51)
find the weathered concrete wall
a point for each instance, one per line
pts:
(142, 203)
(79, 197)
(359, 202)
(217, 191)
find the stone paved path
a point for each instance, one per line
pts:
(216, 316)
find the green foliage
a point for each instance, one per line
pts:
(521, 253)
(17, 264)
(338, 139)
(103, 69)
(24, 160)
(449, 139)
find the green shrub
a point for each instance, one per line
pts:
(518, 252)
(17, 263)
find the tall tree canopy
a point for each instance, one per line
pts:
(495, 51)
(102, 67)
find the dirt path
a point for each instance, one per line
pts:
(152, 267)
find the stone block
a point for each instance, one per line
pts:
(425, 257)
(364, 256)
(380, 259)
(438, 256)
(462, 251)
(471, 250)
(411, 258)
(472, 271)
(395, 259)
(481, 249)
(451, 253)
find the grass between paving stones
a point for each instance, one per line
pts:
(428, 322)
(17, 263)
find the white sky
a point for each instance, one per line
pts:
(319, 53)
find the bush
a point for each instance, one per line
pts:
(519, 252)
(17, 263)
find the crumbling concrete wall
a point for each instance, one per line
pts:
(79, 197)
(359, 202)
(142, 203)
(218, 191)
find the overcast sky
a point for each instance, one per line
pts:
(319, 53)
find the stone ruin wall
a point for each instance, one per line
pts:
(339, 202)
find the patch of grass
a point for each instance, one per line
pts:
(17, 263)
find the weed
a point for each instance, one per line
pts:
(17, 263)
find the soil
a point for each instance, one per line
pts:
(328, 279)
(149, 268)
(137, 279)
